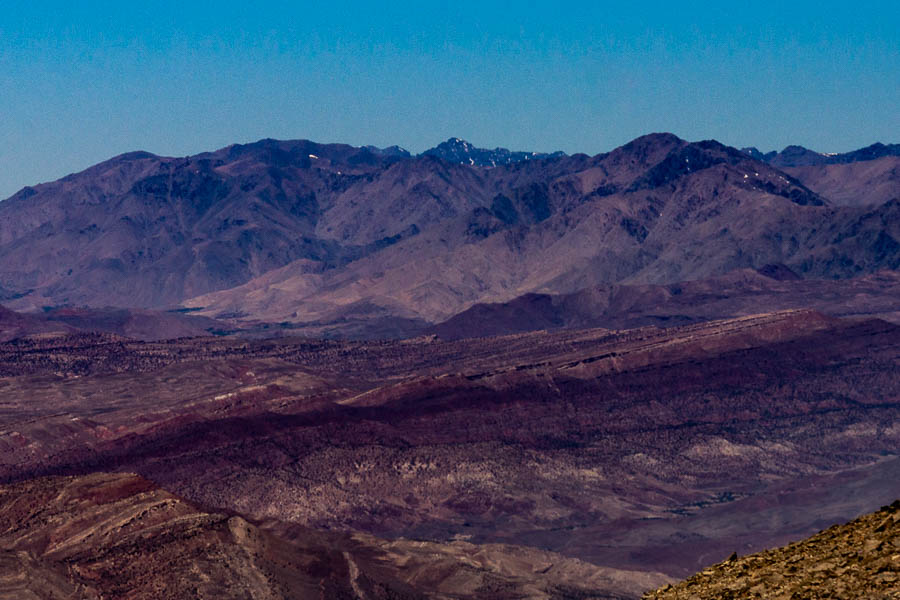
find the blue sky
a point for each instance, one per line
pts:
(80, 82)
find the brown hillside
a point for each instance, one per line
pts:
(858, 560)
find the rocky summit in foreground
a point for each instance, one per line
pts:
(858, 560)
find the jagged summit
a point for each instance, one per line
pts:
(457, 150)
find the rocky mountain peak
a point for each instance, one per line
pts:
(457, 150)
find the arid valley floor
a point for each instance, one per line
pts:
(601, 462)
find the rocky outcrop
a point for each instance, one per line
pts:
(118, 536)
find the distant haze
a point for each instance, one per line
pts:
(81, 82)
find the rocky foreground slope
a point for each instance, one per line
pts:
(858, 560)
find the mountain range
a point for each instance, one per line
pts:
(798, 156)
(336, 240)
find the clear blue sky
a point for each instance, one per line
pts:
(83, 81)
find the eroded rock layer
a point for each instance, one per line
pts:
(117, 536)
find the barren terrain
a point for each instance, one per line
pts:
(119, 536)
(647, 450)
